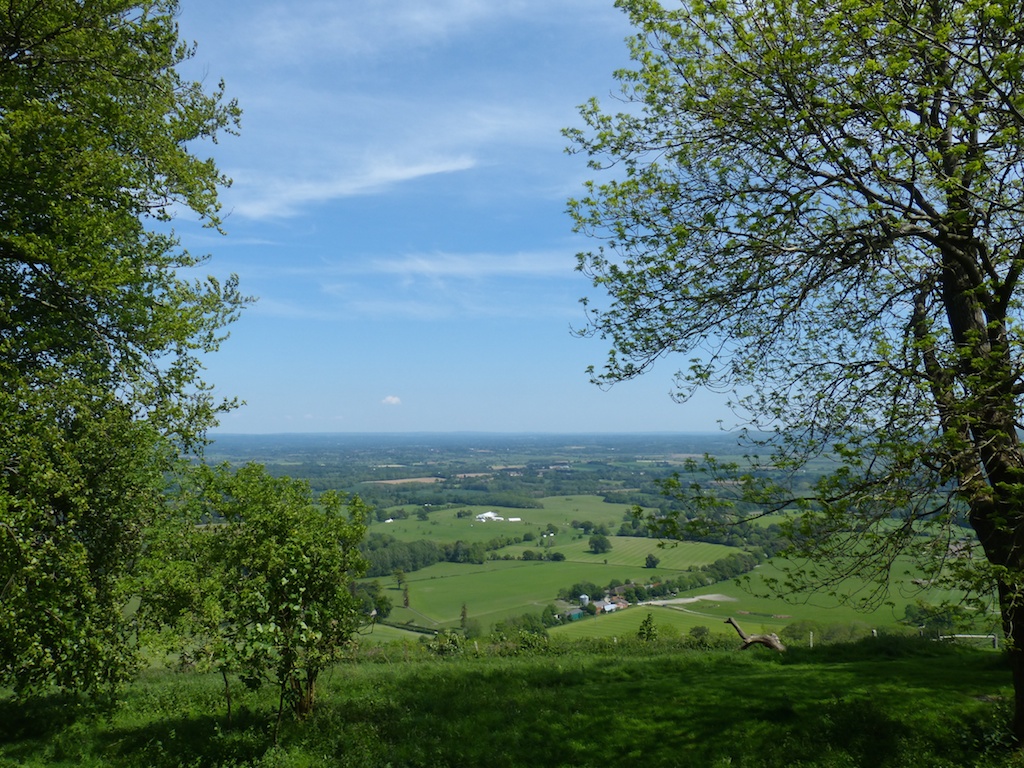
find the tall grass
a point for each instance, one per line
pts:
(884, 702)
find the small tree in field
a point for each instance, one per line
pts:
(821, 206)
(651, 561)
(599, 544)
(261, 575)
(647, 632)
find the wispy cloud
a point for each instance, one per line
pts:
(472, 266)
(434, 287)
(347, 29)
(260, 194)
(392, 400)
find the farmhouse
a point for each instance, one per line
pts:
(484, 517)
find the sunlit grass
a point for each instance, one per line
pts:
(884, 702)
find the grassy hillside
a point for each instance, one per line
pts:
(879, 703)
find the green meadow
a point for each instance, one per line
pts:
(670, 622)
(884, 702)
(444, 524)
(491, 592)
(504, 588)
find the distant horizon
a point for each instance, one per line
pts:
(220, 433)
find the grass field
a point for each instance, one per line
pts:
(669, 622)
(444, 525)
(498, 589)
(632, 553)
(881, 703)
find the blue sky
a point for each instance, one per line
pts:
(399, 209)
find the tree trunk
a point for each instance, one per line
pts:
(768, 641)
(227, 692)
(306, 694)
(1013, 630)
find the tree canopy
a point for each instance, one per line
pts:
(255, 578)
(820, 206)
(101, 332)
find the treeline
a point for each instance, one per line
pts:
(767, 538)
(384, 496)
(386, 554)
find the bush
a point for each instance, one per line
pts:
(446, 643)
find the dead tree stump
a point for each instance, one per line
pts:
(769, 641)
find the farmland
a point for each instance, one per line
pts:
(453, 673)
(551, 492)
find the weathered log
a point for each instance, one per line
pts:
(769, 641)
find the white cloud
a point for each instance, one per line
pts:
(391, 400)
(474, 266)
(259, 195)
(348, 29)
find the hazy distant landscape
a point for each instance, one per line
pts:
(552, 492)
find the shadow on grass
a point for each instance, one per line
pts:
(193, 741)
(723, 709)
(858, 706)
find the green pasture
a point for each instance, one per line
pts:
(751, 603)
(491, 592)
(444, 525)
(625, 623)
(593, 508)
(757, 606)
(383, 633)
(498, 589)
(631, 551)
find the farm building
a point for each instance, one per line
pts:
(484, 517)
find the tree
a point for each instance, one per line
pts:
(937, 619)
(599, 544)
(100, 331)
(651, 561)
(820, 206)
(260, 577)
(647, 632)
